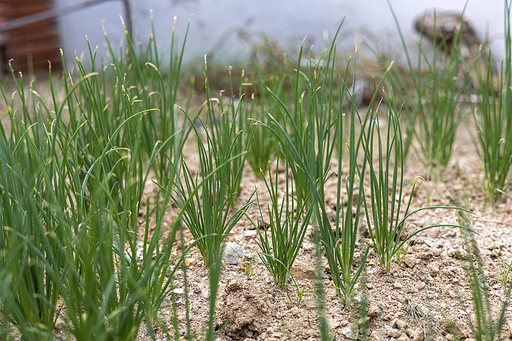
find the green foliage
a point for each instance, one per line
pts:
(270, 71)
(483, 327)
(287, 224)
(386, 221)
(224, 137)
(206, 213)
(221, 161)
(493, 117)
(436, 111)
(73, 171)
(72, 177)
(315, 127)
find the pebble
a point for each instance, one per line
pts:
(417, 334)
(349, 334)
(307, 246)
(60, 324)
(233, 251)
(178, 291)
(410, 261)
(190, 262)
(393, 332)
(453, 253)
(250, 233)
(397, 285)
(433, 269)
(403, 337)
(359, 298)
(401, 324)
(373, 311)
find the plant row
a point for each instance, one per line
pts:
(75, 162)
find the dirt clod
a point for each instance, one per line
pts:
(244, 313)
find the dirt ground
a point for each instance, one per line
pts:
(420, 298)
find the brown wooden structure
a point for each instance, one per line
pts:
(31, 45)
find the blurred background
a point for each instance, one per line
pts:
(33, 31)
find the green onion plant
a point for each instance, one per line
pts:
(385, 215)
(309, 147)
(287, 226)
(206, 213)
(72, 174)
(493, 117)
(439, 88)
(226, 136)
(484, 327)
(270, 71)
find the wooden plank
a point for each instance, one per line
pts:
(51, 33)
(33, 49)
(39, 40)
(18, 12)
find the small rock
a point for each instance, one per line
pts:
(410, 261)
(433, 269)
(455, 281)
(349, 334)
(233, 251)
(403, 337)
(401, 324)
(233, 262)
(197, 290)
(393, 332)
(373, 310)
(60, 325)
(453, 253)
(190, 262)
(417, 334)
(429, 242)
(397, 285)
(358, 298)
(165, 303)
(250, 233)
(178, 291)
(307, 246)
